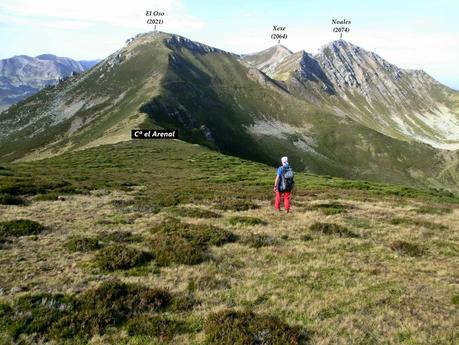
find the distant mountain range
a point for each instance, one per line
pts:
(22, 76)
(342, 112)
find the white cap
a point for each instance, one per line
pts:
(284, 160)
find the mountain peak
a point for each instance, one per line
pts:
(46, 57)
(281, 48)
(340, 45)
(266, 60)
(173, 40)
(275, 49)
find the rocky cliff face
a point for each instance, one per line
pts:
(347, 79)
(351, 68)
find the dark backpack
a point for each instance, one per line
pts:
(286, 180)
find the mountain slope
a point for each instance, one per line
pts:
(405, 104)
(22, 76)
(166, 80)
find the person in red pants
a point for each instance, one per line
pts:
(283, 185)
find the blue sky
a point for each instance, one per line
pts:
(418, 34)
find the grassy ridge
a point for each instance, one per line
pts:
(176, 172)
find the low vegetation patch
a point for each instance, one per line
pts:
(193, 212)
(35, 314)
(418, 222)
(236, 205)
(127, 185)
(455, 300)
(20, 227)
(306, 238)
(171, 249)
(9, 199)
(175, 242)
(433, 210)
(118, 236)
(155, 326)
(121, 257)
(34, 186)
(110, 304)
(26, 186)
(118, 218)
(332, 229)
(331, 208)
(47, 197)
(407, 248)
(5, 171)
(246, 220)
(199, 234)
(183, 302)
(363, 223)
(208, 281)
(83, 244)
(259, 240)
(229, 327)
(148, 202)
(121, 203)
(142, 204)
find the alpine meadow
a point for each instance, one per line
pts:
(106, 239)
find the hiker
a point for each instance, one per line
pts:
(283, 184)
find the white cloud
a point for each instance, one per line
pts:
(9, 19)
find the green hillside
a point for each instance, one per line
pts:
(215, 100)
(165, 242)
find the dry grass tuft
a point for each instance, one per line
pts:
(229, 204)
(407, 248)
(194, 212)
(244, 220)
(83, 244)
(259, 240)
(332, 229)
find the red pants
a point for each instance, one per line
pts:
(286, 201)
